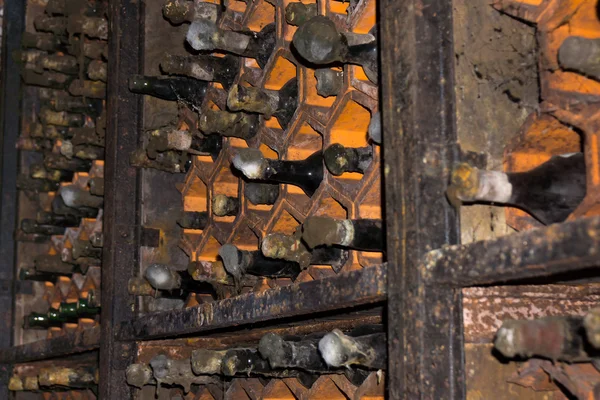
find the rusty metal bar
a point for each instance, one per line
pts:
(122, 193)
(557, 249)
(72, 343)
(425, 345)
(342, 292)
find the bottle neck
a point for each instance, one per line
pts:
(307, 174)
(193, 220)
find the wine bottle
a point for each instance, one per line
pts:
(368, 351)
(33, 144)
(261, 193)
(92, 49)
(306, 174)
(168, 371)
(339, 159)
(84, 249)
(41, 41)
(319, 42)
(138, 286)
(291, 248)
(163, 277)
(53, 318)
(223, 206)
(76, 378)
(32, 226)
(55, 25)
(60, 118)
(82, 151)
(242, 262)
(168, 161)
(205, 68)
(329, 81)
(139, 375)
(188, 90)
(193, 220)
(249, 361)
(58, 161)
(374, 131)
(48, 218)
(168, 138)
(16, 384)
(280, 103)
(86, 136)
(287, 354)
(28, 59)
(38, 171)
(580, 54)
(239, 124)
(207, 362)
(549, 192)
(97, 71)
(59, 207)
(357, 234)
(76, 197)
(59, 100)
(30, 274)
(96, 186)
(91, 89)
(53, 264)
(49, 79)
(556, 338)
(36, 185)
(92, 27)
(178, 11)
(79, 309)
(205, 35)
(299, 13)
(65, 64)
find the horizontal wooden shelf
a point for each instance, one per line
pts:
(347, 290)
(72, 343)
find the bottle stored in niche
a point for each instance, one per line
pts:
(168, 161)
(261, 193)
(168, 138)
(58, 161)
(306, 174)
(340, 159)
(224, 206)
(299, 13)
(193, 220)
(180, 11)
(36, 185)
(205, 35)
(229, 124)
(549, 192)
(76, 197)
(164, 277)
(76, 378)
(29, 225)
(167, 371)
(329, 81)
(367, 351)
(242, 262)
(357, 234)
(319, 42)
(291, 248)
(205, 68)
(280, 104)
(174, 88)
(87, 88)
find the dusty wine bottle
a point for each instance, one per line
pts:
(97, 70)
(76, 197)
(55, 25)
(178, 11)
(82, 151)
(77, 378)
(204, 34)
(193, 220)
(339, 159)
(357, 234)
(374, 131)
(48, 218)
(41, 41)
(84, 249)
(288, 354)
(203, 67)
(138, 286)
(261, 193)
(139, 375)
(58, 161)
(169, 138)
(38, 171)
(319, 42)
(207, 362)
(36, 185)
(168, 371)
(368, 351)
(49, 79)
(174, 88)
(299, 13)
(228, 124)
(60, 118)
(30, 274)
(223, 206)
(549, 192)
(86, 136)
(249, 361)
(581, 55)
(92, 27)
(93, 49)
(53, 264)
(242, 262)
(280, 104)
(59, 100)
(32, 226)
(163, 277)
(329, 81)
(79, 309)
(306, 174)
(291, 248)
(59, 207)
(168, 161)
(44, 321)
(91, 89)
(65, 64)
